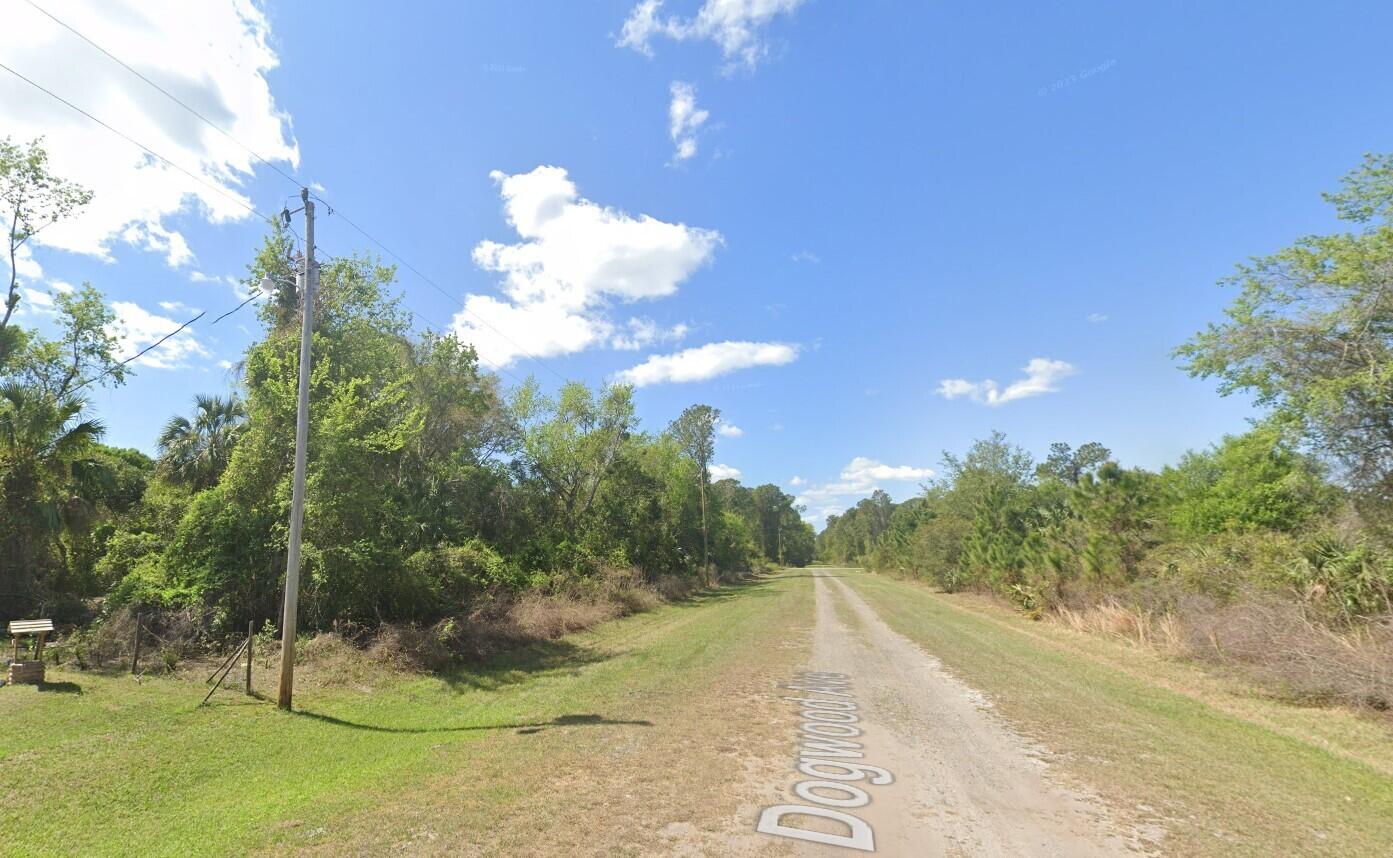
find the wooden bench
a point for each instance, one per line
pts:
(29, 672)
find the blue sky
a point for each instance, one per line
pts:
(880, 198)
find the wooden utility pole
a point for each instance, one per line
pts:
(307, 279)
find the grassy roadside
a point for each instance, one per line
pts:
(1162, 740)
(445, 764)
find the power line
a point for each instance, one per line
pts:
(161, 341)
(210, 123)
(197, 178)
(201, 180)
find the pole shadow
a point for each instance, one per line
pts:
(578, 720)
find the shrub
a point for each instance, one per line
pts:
(451, 577)
(1348, 579)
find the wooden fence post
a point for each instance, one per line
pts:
(250, 636)
(135, 645)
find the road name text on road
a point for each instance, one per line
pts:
(829, 729)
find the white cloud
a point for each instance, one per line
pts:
(34, 302)
(40, 302)
(724, 472)
(734, 25)
(806, 256)
(1097, 317)
(178, 307)
(639, 333)
(1042, 375)
(859, 478)
(684, 120)
(213, 55)
(862, 470)
(706, 362)
(575, 258)
(227, 364)
(135, 328)
(729, 430)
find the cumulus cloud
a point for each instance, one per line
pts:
(729, 430)
(706, 362)
(859, 478)
(684, 120)
(1042, 375)
(213, 55)
(724, 472)
(135, 328)
(575, 258)
(735, 25)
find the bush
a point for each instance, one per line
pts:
(448, 578)
(1347, 579)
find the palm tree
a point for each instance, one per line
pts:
(42, 444)
(195, 452)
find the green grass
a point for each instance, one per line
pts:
(105, 765)
(1220, 783)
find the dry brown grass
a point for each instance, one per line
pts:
(1265, 639)
(509, 620)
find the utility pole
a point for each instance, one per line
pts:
(307, 279)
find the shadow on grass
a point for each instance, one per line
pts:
(528, 661)
(753, 586)
(587, 720)
(60, 687)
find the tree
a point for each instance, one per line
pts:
(85, 349)
(1310, 334)
(1068, 465)
(33, 199)
(1246, 482)
(695, 431)
(44, 444)
(195, 452)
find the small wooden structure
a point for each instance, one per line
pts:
(29, 672)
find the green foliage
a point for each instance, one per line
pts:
(1350, 578)
(196, 452)
(1310, 335)
(443, 578)
(31, 198)
(1218, 523)
(1256, 481)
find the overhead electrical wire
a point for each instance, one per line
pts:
(333, 210)
(70, 28)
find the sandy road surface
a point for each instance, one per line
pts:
(964, 783)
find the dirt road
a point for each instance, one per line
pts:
(963, 782)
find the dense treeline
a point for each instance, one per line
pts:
(1300, 505)
(1251, 513)
(429, 485)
